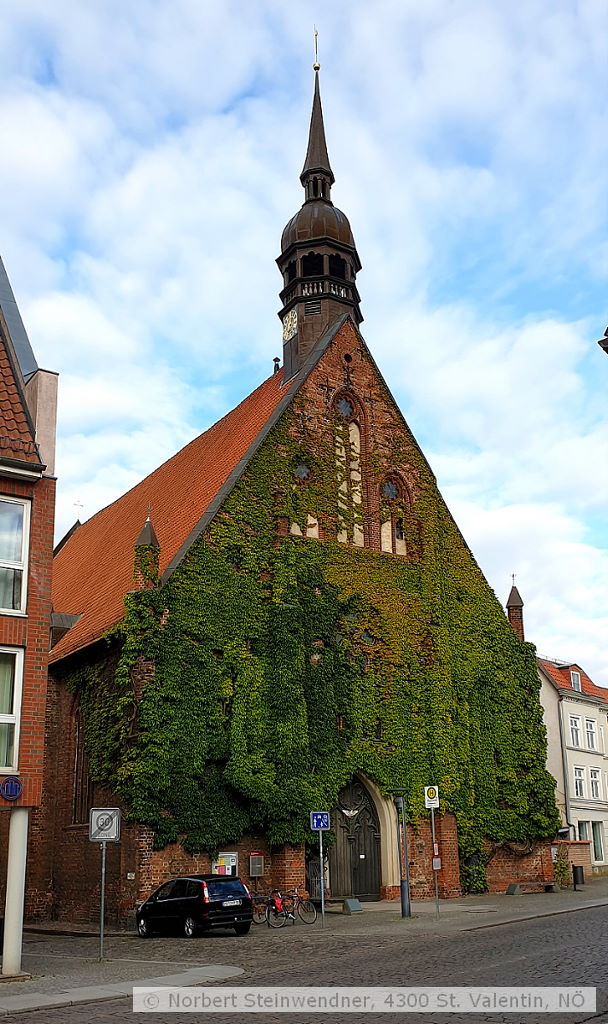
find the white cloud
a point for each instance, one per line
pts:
(152, 160)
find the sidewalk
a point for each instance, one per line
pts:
(64, 966)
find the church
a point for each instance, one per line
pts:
(284, 617)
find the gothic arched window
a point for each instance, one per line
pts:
(348, 464)
(302, 475)
(394, 506)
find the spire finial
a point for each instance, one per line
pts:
(316, 66)
(317, 176)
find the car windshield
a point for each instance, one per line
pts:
(226, 887)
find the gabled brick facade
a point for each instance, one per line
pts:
(27, 509)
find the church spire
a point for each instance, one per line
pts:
(317, 176)
(319, 261)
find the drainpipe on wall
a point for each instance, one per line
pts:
(560, 718)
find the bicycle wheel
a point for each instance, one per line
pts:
(307, 912)
(258, 911)
(276, 918)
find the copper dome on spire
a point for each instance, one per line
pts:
(317, 219)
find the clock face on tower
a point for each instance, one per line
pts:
(290, 324)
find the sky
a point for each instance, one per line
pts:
(151, 159)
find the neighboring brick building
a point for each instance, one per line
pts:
(27, 507)
(284, 617)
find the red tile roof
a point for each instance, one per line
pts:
(94, 568)
(16, 439)
(560, 675)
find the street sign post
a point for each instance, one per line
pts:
(320, 822)
(431, 802)
(104, 828)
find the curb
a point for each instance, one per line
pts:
(119, 990)
(532, 917)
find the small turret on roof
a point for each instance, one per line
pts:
(147, 537)
(515, 613)
(514, 599)
(147, 558)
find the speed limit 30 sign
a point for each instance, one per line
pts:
(104, 824)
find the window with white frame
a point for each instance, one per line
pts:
(11, 672)
(14, 533)
(590, 734)
(575, 679)
(595, 783)
(575, 730)
(579, 781)
(598, 846)
(583, 830)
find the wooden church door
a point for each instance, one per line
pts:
(354, 859)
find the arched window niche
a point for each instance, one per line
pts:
(348, 440)
(312, 264)
(302, 475)
(395, 506)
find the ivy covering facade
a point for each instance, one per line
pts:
(285, 664)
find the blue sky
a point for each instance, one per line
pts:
(151, 159)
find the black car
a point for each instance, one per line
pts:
(194, 904)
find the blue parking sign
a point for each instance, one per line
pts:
(319, 821)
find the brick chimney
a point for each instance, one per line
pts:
(515, 611)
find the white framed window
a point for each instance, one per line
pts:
(14, 536)
(575, 730)
(579, 781)
(583, 830)
(598, 845)
(11, 676)
(595, 782)
(575, 679)
(590, 734)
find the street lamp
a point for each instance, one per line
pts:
(404, 868)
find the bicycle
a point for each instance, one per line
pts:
(268, 908)
(294, 904)
(285, 906)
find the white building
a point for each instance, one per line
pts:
(576, 717)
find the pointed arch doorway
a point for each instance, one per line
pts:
(354, 859)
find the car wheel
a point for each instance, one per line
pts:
(242, 929)
(190, 928)
(143, 929)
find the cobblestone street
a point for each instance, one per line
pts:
(565, 949)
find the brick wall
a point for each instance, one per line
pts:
(506, 866)
(420, 850)
(288, 867)
(32, 633)
(154, 866)
(577, 851)
(63, 874)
